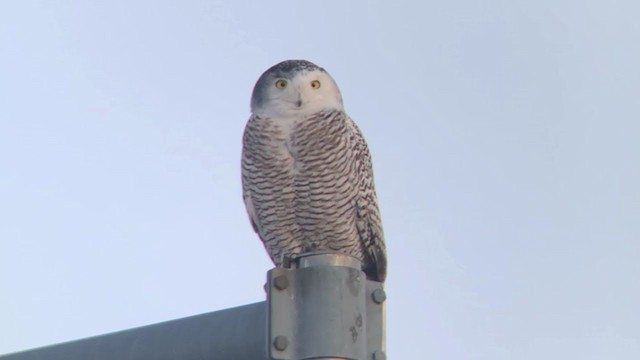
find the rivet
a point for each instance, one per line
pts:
(281, 342)
(379, 355)
(379, 296)
(281, 282)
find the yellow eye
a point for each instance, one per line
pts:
(315, 84)
(281, 84)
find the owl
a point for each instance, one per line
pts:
(307, 177)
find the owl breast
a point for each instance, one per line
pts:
(307, 175)
(325, 183)
(301, 178)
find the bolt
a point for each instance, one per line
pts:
(281, 282)
(379, 355)
(379, 296)
(280, 342)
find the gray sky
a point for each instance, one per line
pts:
(505, 139)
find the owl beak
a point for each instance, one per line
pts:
(299, 101)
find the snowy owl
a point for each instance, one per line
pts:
(306, 170)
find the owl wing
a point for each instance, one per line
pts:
(246, 166)
(368, 214)
(251, 210)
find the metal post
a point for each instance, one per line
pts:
(322, 307)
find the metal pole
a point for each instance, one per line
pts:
(322, 307)
(235, 333)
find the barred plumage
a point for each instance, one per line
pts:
(306, 170)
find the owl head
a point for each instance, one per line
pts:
(295, 87)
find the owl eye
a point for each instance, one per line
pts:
(315, 84)
(281, 84)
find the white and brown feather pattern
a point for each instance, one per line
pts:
(308, 185)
